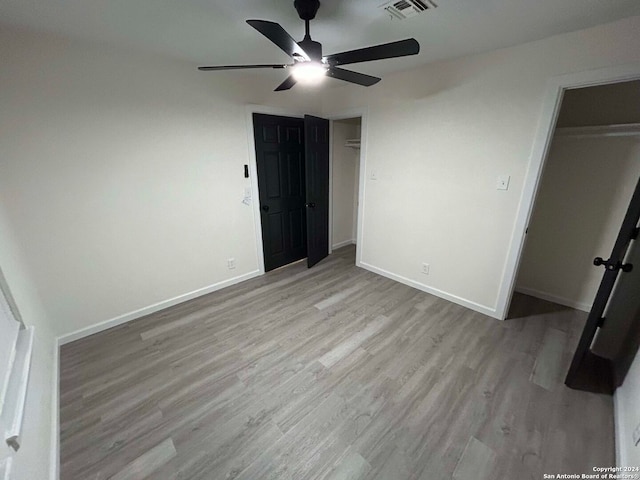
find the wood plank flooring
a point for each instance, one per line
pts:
(330, 373)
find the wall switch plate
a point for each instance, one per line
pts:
(503, 182)
(425, 268)
(231, 263)
(636, 435)
(374, 175)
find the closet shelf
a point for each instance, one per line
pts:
(616, 130)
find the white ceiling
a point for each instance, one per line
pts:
(214, 31)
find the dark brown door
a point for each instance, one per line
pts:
(316, 131)
(619, 335)
(281, 181)
(590, 370)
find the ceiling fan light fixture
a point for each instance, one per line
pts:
(309, 73)
(309, 66)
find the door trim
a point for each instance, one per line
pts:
(253, 170)
(363, 113)
(546, 126)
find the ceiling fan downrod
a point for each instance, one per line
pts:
(307, 10)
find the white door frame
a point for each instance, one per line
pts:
(362, 113)
(546, 127)
(253, 168)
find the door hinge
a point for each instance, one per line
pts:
(601, 321)
(635, 233)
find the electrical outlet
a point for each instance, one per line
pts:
(425, 268)
(503, 182)
(636, 435)
(231, 263)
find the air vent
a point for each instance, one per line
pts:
(403, 9)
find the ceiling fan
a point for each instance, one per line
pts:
(309, 66)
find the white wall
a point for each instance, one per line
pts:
(628, 417)
(345, 162)
(120, 187)
(122, 174)
(439, 136)
(33, 460)
(585, 191)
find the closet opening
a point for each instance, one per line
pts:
(345, 179)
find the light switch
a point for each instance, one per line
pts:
(374, 175)
(503, 182)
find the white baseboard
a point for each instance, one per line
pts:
(343, 244)
(85, 332)
(127, 317)
(585, 307)
(433, 291)
(618, 415)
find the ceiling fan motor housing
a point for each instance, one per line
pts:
(312, 48)
(307, 9)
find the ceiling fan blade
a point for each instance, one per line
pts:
(401, 48)
(240, 67)
(278, 35)
(287, 84)
(353, 77)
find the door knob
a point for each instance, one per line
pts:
(265, 208)
(598, 261)
(609, 265)
(310, 205)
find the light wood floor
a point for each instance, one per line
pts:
(330, 373)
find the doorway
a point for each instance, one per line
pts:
(292, 172)
(588, 189)
(345, 179)
(589, 177)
